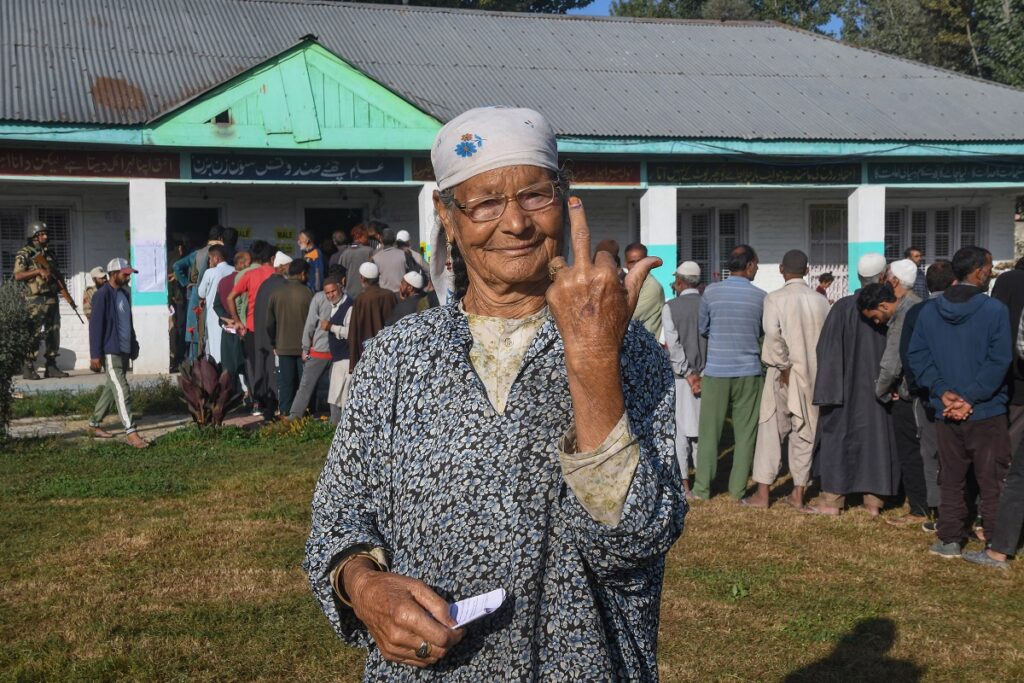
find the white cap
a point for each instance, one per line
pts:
(870, 264)
(120, 264)
(403, 236)
(369, 270)
(487, 138)
(688, 268)
(905, 271)
(97, 273)
(281, 259)
(414, 279)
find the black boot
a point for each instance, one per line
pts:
(53, 372)
(29, 372)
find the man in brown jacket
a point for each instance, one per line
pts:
(372, 308)
(286, 317)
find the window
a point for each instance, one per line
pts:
(13, 222)
(938, 233)
(828, 235)
(969, 232)
(893, 235)
(707, 236)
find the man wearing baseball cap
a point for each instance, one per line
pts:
(112, 346)
(99, 278)
(854, 447)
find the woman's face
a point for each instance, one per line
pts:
(515, 248)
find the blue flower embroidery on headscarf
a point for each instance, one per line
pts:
(469, 144)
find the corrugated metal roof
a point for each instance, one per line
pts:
(123, 62)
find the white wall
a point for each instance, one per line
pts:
(777, 220)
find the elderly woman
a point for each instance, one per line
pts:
(518, 438)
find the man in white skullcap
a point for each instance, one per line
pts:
(413, 258)
(412, 298)
(854, 447)
(687, 351)
(372, 307)
(887, 304)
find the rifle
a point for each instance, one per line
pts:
(43, 264)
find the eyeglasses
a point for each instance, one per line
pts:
(491, 207)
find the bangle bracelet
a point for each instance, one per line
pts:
(337, 574)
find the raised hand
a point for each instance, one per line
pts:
(588, 302)
(592, 309)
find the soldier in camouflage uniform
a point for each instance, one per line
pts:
(40, 298)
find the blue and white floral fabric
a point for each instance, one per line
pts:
(469, 500)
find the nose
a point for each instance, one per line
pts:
(515, 221)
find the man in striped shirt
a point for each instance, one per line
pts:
(730, 317)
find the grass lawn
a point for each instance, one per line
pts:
(182, 563)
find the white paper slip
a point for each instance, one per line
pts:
(471, 609)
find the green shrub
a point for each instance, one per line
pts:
(15, 342)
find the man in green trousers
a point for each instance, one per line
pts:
(730, 317)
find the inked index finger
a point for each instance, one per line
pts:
(579, 232)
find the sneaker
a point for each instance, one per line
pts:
(984, 559)
(928, 526)
(947, 550)
(29, 373)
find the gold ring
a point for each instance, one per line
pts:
(423, 651)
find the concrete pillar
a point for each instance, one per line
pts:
(658, 225)
(147, 206)
(865, 230)
(426, 215)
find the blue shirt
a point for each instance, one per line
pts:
(730, 317)
(123, 321)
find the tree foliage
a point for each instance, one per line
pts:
(808, 14)
(983, 38)
(548, 6)
(15, 342)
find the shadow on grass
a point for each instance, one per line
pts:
(861, 655)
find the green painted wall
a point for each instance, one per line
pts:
(305, 99)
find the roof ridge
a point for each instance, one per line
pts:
(433, 9)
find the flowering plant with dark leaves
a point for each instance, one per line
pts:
(208, 391)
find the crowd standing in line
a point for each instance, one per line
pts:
(245, 311)
(887, 396)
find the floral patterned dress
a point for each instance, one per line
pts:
(468, 500)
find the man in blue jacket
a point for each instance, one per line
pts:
(960, 351)
(112, 346)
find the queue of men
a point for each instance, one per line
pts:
(883, 396)
(282, 327)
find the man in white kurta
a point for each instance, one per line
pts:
(793, 318)
(218, 269)
(687, 350)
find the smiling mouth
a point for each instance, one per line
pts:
(521, 250)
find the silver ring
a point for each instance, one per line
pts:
(423, 651)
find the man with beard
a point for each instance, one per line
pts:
(854, 447)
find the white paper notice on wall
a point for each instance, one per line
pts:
(151, 262)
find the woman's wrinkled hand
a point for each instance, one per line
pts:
(400, 613)
(590, 305)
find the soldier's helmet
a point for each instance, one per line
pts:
(34, 228)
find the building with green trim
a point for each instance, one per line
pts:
(126, 130)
